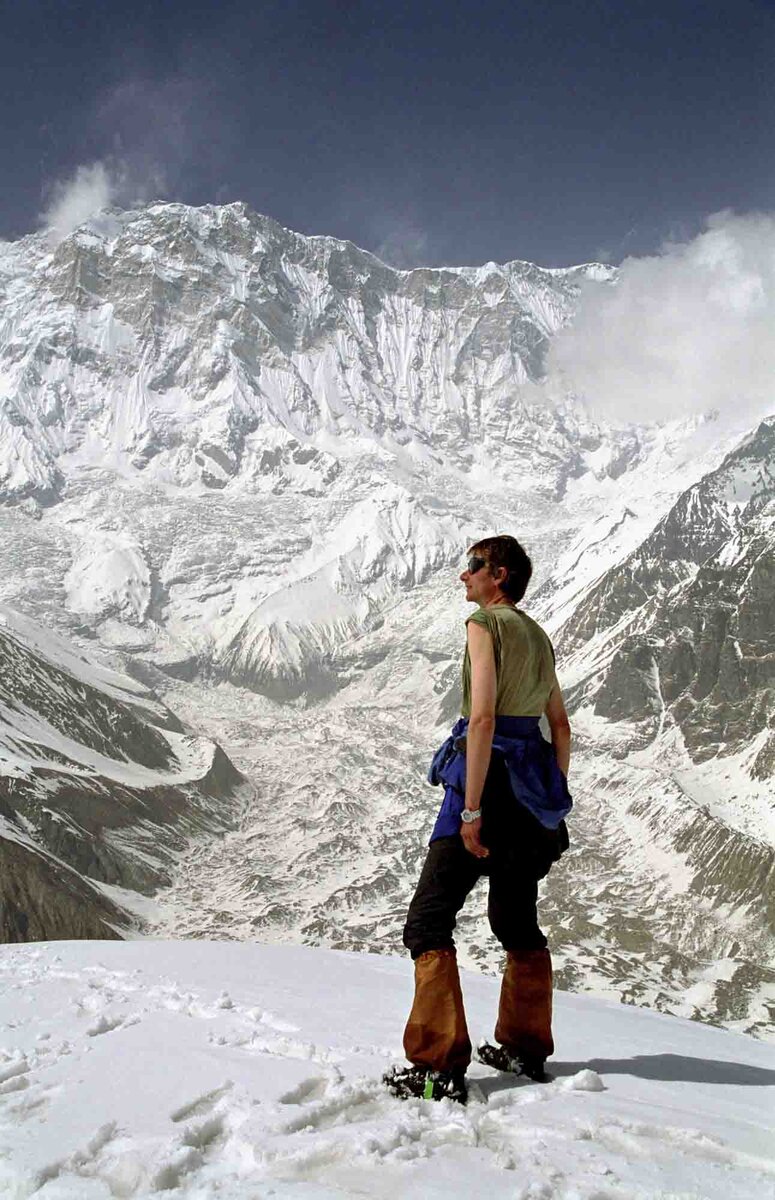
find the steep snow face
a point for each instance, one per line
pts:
(255, 1070)
(201, 347)
(257, 440)
(235, 419)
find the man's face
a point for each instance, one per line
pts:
(480, 585)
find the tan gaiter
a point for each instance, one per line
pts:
(436, 1035)
(525, 1013)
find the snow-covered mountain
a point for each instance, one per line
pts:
(675, 643)
(682, 628)
(155, 359)
(245, 464)
(215, 347)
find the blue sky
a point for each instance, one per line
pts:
(434, 133)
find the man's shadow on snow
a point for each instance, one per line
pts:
(665, 1067)
(673, 1067)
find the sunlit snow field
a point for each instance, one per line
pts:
(207, 1069)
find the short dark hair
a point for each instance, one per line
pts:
(505, 551)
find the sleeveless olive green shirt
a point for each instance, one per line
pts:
(524, 662)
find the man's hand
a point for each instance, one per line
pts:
(470, 835)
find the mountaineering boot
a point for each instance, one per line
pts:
(524, 1027)
(436, 1035)
(436, 1038)
(499, 1058)
(406, 1082)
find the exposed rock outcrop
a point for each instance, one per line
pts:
(682, 631)
(42, 900)
(98, 781)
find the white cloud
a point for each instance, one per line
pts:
(91, 189)
(686, 331)
(402, 244)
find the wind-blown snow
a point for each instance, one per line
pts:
(212, 1070)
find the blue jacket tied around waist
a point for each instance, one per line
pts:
(536, 779)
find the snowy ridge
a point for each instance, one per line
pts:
(270, 331)
(63, 654)
(99, 782)
(40, 705)
(228, 1071)
(336, 591)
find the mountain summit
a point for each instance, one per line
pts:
(215, 347)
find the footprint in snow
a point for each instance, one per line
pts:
(353, 1105)
(197, 1141)
(202, 1105)
(285, 1047)
(13, 1077)
(79, 1159)
(205, 1134)
(31, 1104)
(309, 1089)
(106, 1024)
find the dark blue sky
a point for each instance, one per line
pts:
(429, 132)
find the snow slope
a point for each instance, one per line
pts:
(239, 1072)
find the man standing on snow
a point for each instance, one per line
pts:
(502, 816)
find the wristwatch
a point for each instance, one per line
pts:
(469, 815)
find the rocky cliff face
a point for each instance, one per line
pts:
(680, 633)
(42, 900)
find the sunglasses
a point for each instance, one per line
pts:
(475, 564)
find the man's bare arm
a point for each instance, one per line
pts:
(560, 727)
(481, 727)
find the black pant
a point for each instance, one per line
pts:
(521, 853)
